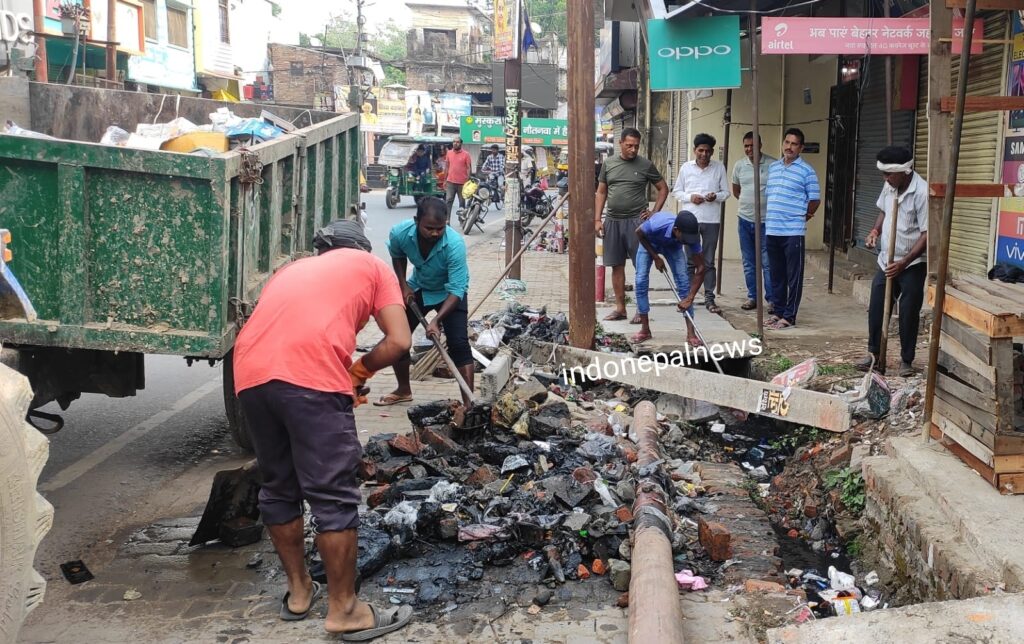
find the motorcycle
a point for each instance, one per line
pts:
(479, 196)
(536, 203)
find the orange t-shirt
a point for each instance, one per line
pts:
(304, 328)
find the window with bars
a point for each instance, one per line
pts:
(225, 29)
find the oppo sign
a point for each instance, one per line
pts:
(694, 53)
(16, 28)
(680, 53)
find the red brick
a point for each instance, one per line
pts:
(437, 439)
(716, 539)
(367, 470)
(482, 476)
(582, 572)
(630, 454)
(759, 586)
(624, 514)
(584, 475)
(623, 601)
(841, 457)
(378, 497)
(599, 567)
(810, 509)
(408, 443)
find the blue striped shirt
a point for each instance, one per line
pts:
(790, 188)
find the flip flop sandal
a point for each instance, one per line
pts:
(289, 616)
(714, 308)
(614, 317)
(640, 337)
(781, 324)
(391, 399)
(749, 305)
(385, 621)
(772, 319)
(636, 319)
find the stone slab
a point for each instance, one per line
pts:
(984, 619)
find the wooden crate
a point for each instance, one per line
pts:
(976, 411)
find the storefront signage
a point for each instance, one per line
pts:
(699, 53)
(506, 29)
(852, 36)
(485, 130)
(453, 107)
(16, 24)
(1010, 229)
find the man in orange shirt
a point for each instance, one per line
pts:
(459, 165)
(298, 385)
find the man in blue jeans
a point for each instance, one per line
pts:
(793, 197)
(667, 234)
(743, 190)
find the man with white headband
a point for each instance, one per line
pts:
(907, 267)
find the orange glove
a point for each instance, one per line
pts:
(359, 375)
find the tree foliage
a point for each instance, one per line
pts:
(387, 42)
(551, 16)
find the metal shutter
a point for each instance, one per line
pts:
(971, 238)
(871, 139)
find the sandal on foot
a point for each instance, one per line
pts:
(392, 399)
(713, 308)
(637, 319)
(782, 323)
(772, 319)
(384, 622)
(639, 337)
(289, 616)
(749, 305)
(614, 316)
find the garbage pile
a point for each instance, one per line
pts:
(546, 488)
(836, 595)
(503, 328)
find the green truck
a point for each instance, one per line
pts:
(125, 252)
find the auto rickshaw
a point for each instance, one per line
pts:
(397, 155)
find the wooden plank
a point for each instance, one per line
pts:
(1002, 362)
(1008, 463)
(949, 365)
(964, 422)
(984, 103)
(979, 190)
(1010, 483)
(977, 344)
(980, 399)
(981, 417)
(959, 352)
(802, 406)
(1008, 444)
(966, 457)
(962, 307)
(997, 303)
(983, 5)
(1011, 293)
(977, 449)
(940, 21)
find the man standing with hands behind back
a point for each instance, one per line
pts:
(622, 185)
(701, 188)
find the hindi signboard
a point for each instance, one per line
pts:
(506, 29)
(858, 36)
(485, 130)
(699, 53)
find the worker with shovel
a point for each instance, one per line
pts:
(439, 282)
(667, 234)
(902, 270)
(298, 385)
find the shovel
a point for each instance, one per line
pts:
(700, 336)
(233, 500)
(475, 410)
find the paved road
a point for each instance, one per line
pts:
(112, 463)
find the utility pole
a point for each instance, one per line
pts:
(582, 257)
(513, 151)
(39, 11)
(111, 40)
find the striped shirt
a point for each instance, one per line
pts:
(789, 190)
(911, 223)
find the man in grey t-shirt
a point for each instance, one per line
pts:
(622, 186)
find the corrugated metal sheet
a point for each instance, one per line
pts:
(971, 237)
(870, 139)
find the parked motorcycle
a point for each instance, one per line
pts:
(479, 196)
(536, 203)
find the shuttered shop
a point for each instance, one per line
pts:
(871, 137)
(971, 238)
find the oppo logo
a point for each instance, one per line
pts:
(680, 53)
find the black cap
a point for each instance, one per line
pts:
(687, 224)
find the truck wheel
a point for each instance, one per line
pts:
(25, 516)
(233, 407)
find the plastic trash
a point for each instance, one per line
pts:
(481, 532)
(799, 375)
(513, 463)
(403, 515)
(718, 428)
(871, 399)
(602, 489)
(689, 581)
(840, 580)
(443, 492)
(490, 338)
(115, 136)
(871, 578)
(10, 127)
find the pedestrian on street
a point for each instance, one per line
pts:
(439, 282)
(665, 234)
(494, 164)
(298, 385)
(907, 268)
(622, 184)
(743, 190)
(701, 187)
(458, 165)
(793, 197)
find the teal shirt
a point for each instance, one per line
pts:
(442, 273)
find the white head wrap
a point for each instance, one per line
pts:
(892, 168)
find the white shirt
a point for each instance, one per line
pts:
(911, 223)
(693, 180)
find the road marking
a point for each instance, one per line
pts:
(102, 453)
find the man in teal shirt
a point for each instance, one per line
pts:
(439, 282)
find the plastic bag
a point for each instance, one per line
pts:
(115, 136)
(12, 128)
(871, 399)
(491, 338)
(799, 375)
(443, 491)
(402, 515)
